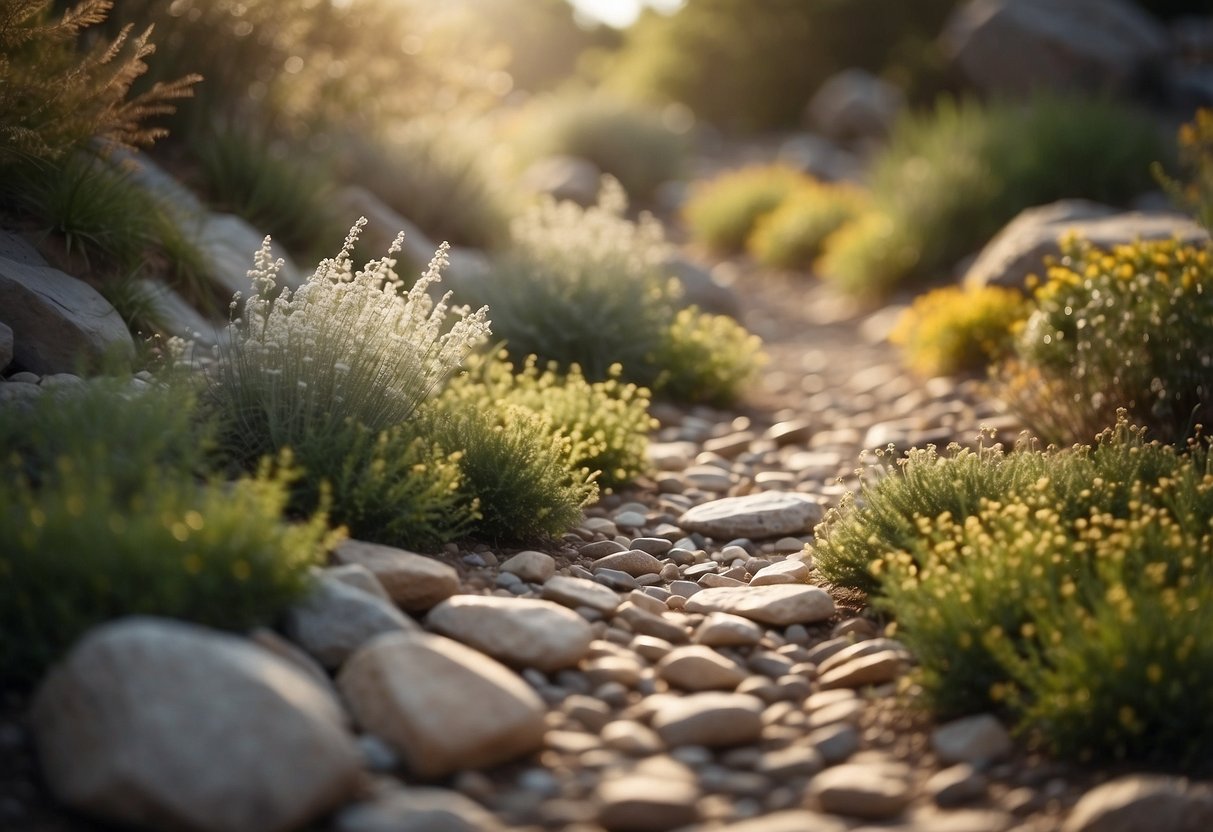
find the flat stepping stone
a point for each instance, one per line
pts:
(776, 605)
(755, 516)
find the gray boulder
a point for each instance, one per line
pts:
(383, 223)
(855, 104)
(227, 244)
(169, 726)
(58, 322)
(336, 619)
(6, 346)
(18, 249)
(1021, 248)
(177, 316)
(1017, 46)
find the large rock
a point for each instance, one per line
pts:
(564, 178)
(521, 632)
(177, 316)
(168, 726)
(1021, 248)
(1135, 802)
(227, 244)
(778, 604)
(382, 226)
(6, 346)
(413, 581)
(855, 104)
(442, 706)
(172, 196)
(59, 322)
(756, 516)
(335, 619)
(20, 250)
(1017, 46)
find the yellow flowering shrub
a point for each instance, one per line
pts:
(1068, 590)
(1127, 327)
(1194, 189)
(959, 330)
(791, 236)
(722, 212)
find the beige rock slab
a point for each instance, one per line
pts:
(713, 720)
(696, 667)
(522, 632)
(778, 605)
(441, 705)
(413, 581)
(756, 516)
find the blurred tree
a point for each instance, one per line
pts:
(750, 66)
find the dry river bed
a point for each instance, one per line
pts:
(725, 687)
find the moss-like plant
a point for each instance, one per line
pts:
(55, 99)
(791, 236)
(706, 358)
(868, 256)
(606, 423)
(98, 521)
(721, 213)
(515, 465)
(1061, 588)
(1128, 327)
(960, 330)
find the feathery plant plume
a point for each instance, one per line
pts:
(347, 347)
(54, 98)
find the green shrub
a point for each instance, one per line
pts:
(392, 487)
(346, 346)
(1131, 327)
(1194, 191)
(55, 99)
(277, 189)
(1066, 589)
(960, 330)
(587, 287)
(791, 236)
(868, 256)
(748, 70)
(722, 212)
(631, 143)
(515, 464)
(951, 178)
(606, 423)
(706, 358)
(99, 521)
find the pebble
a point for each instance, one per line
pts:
(778, 605)
(578, 592)
(520, 632)
(602, 548)
(656, 546)
(416, 809)
(1138, 802)
(632, 738)
(710, 720)
(414, 582)
(615, 579)
(696, 667)
(784, 572)
(836, 742)
(722, 629)
(535, 567)
(975, 739)
(873, 791)
(956, 785)
(875, 669)
(655, 799)
(761, 515)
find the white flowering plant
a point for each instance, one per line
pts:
(349, 348)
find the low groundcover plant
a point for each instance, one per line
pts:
(1067, 590)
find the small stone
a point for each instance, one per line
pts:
(359, 577)
(876, 669)
(722, 629)
(630, 519)
(535, 567)
(836, 742)
(578, 592)
(601, 548)
(643, 802)
(791, 820)
(647, 623)
(708, 478)
(956, 785)
(684, 588)
(778, 605)
(864, 790)
(656, 546)
(793, 761)
(975, 739)
(1138, 801)
(696, 667)
(590, 712)
(615, 579)
(518, 631)
(761, 515)
(651, 647)
(711, 720)
(711, 580)
(851, 652)
(442, 706)
(630, 737)
(416, 583)
(784, 572)
(335, 619)
(633, 561)
(416, 809)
